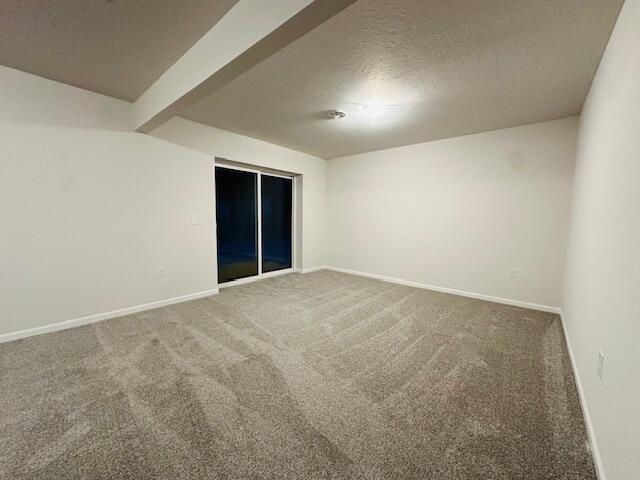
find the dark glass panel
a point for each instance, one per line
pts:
(276, 223)
(237, 222)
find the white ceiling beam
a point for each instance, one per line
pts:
(250, 32)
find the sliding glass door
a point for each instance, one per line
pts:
(237, 222)
(254, 217)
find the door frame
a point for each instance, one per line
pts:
(259, 173)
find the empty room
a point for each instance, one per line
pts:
(320, 239)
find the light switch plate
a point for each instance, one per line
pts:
(600, 364)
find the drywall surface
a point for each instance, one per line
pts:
(238, 148)
(115, 48)
(444, 69)
(601, 306)
(89, 210)
(459, 213)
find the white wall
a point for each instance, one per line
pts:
(88, 209)
(459, 213)
(220, 143)
(601, 306)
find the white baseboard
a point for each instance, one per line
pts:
(597, 460)
(312, 269)
(76, 322)
(462, 293)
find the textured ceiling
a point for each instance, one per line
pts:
(114, 47)
(445, 67)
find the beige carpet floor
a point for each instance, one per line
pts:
(317, 376)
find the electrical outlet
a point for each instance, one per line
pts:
(513, 273)
(195, 219)
(600, 364)
(160, 271)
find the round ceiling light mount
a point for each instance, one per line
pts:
(336, 114)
